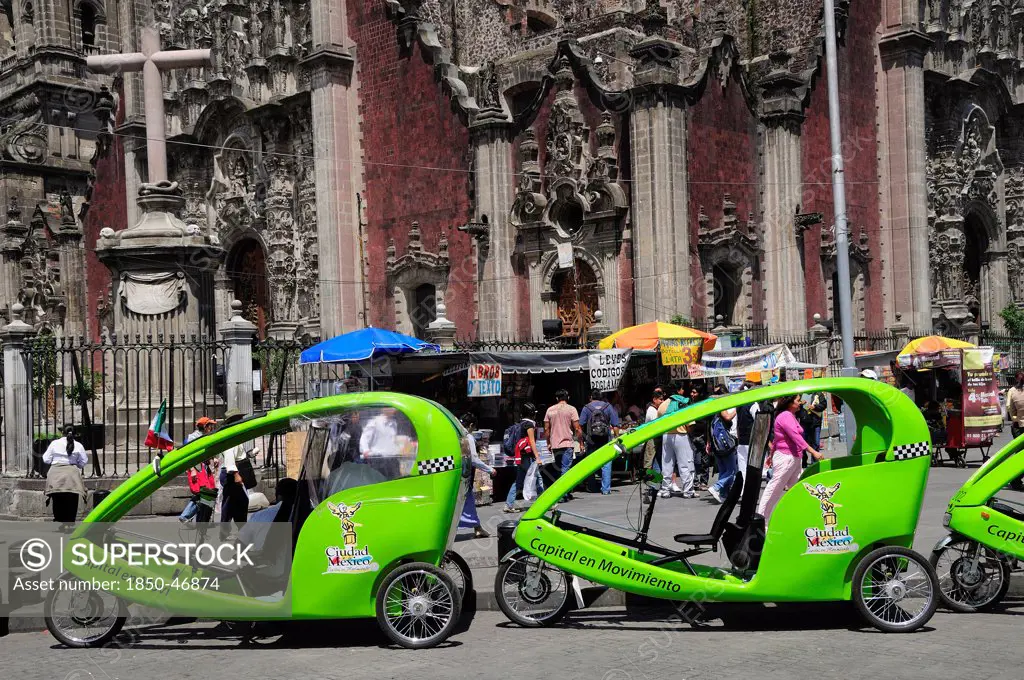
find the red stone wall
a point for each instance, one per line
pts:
(107, 208)
(416, 158)
(721, 159)
(860, 147)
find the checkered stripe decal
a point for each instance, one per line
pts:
(905, 451)
(435, 465)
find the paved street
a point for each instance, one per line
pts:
(599, 645)
(738, 642)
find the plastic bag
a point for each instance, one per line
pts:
(530, 485)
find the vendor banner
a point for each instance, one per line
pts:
(607, 367)
(680, 351)
(484, 380)
(944, 359)
(983, 415)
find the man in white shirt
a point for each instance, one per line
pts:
(380, 436)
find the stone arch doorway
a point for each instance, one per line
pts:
(247, 269)
(424, 309)
(576, 294)
(727, 288)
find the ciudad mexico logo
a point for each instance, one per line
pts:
(828, 538)
(348, 558)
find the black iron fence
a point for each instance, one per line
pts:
(110, 392)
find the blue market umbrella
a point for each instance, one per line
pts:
(362, 345)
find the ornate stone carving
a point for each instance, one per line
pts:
(24, 139)
(745, 239)
(529, 203)
(1014, 188)
(41, 291)
(859, 247)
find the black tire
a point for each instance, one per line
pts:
(431, 609)
(548, 580)
(953, 594)
(107, 627)
(886, 564)
(458, 570)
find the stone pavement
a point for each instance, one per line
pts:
(754, 642)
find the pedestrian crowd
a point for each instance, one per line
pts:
(701, 457)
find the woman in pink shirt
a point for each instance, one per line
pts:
(788, 446)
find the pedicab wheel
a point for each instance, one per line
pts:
(895, 589)
(531, 592)
(971, 578)
(83, 617)
(418, 605)
(458, 571)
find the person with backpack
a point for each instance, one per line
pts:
(520, 445)
(600, 423)
(676, 452)
(724, 444)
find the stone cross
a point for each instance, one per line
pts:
(151, 61)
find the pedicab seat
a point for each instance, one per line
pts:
(718, 526)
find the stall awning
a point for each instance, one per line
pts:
(551, 361)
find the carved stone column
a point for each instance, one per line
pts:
(1014, 188)
(660, 218)
(997, 293)
(72, 272)
(14, 233)
(338, 171)
(782, 114)
(493, 172)
(904, 203)
(282, 262)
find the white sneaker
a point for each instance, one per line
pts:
(664, 493)
(713, 492)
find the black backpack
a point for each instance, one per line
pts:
(511, 437)
(599, 426)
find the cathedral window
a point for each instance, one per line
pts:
(88, 21)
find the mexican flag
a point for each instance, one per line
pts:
(157, 437)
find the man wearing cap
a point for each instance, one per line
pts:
(235, 503)
(203, 426)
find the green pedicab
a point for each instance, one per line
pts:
(986, 534)
(842, 533)
(369, 536)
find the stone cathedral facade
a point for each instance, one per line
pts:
(527, 161)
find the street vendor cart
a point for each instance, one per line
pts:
(960, 376)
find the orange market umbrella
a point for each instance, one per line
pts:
(932, 343)
(649, 335)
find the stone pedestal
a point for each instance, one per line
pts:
(441, 331)
(819, 336)
(163, 294)
(599, 330)
(16, 413)
(238, 333)
(900, 331)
